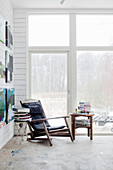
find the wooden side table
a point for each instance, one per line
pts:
(88, 126)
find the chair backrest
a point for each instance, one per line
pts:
(36, 111)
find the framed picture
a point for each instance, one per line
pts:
(8, 67)
(1, 28)
(2, 70)
(8, 36)
(2, 106)
(10, 104)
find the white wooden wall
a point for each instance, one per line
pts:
(20, 55)
(7, 12)
(6, 132)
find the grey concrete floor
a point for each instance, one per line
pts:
(81, 154)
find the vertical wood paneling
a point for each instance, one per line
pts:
(20, 54)
(6, 132)
(7, 12)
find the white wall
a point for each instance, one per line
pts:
(6, 132)
(20, 55)
(7, 12)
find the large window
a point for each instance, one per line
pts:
(48, 68)
(94, 30)
(95, 67)
(89, 42)
(49, 81)
(95, 84)
(48, 30)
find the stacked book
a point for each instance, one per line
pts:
(82, 123)
(84, 107)
(21, 114)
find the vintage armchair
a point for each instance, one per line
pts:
(39, 125)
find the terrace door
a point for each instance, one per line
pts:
(48, 81)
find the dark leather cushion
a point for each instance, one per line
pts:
(27, 105)
(55, 127)
(36, 112)
(40, 127)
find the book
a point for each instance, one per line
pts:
(20, 114)
(82, 122)
(22, 110)
(24, 120)
(20, 118)
(84, 107)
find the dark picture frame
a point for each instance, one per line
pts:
(10, 103)
(8, 36)
(8, 67)
(2, 106)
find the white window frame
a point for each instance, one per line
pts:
(63, 51)
(95, 48)
(71, 50)
(71, 62)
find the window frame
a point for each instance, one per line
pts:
(39, 46)
(72, 49)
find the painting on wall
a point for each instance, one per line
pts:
(6, 33)
(2, 70)
(8, 67)
(1, 28)
(10, 103)
(8, 36)
(2, 107)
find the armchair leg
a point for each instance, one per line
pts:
(31, 133)
(68, 129)
(46, 131)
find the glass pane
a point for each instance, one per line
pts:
(94, 30)
(48, 30)
(49, 82)
(95, 85)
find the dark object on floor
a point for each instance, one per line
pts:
(14, 152)
(39, 126)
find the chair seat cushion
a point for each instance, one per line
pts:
(55, 127)
(40, 127)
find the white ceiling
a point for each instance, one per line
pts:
(67, 4)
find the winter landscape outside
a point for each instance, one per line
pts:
(95, 84)
(95, 67)
(49, 82)
(94, 36)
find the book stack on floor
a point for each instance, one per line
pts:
(21, 114)
(84, 107)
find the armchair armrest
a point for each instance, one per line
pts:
(49, 118)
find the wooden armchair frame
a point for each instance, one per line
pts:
(36, 134)
(60, 132)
